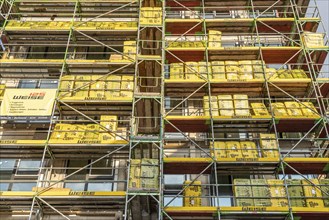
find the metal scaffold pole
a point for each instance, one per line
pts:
(163, 110)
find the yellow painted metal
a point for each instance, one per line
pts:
(297, 80)
(224, 209)
(59, 61)
(306, 160)
(203, 209)
(222, 160)
(315, 117)
(22, 142)
(248, 81)
(31, 61)
(186, 160)
(310, 210)
(178, 20)
(238, 20)
(42, 26)
(247, 209)
(253, 209)
(186, 49)
(187, 118)
(185, 81)
(62, 193)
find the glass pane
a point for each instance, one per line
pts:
(23, 186)
(225, 202)
(27, 84)
(99, 186)
(49, 84)
(75, 165)
(4, 186)
(75, 186)
(103, 168)
(178, 201)
(174, 179)
(7, 164)
(28, 167)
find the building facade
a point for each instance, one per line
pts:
(172, 109)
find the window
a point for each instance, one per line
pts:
(4, 186)
(97, 177)
(102, 168)
(104, 186)
(32, 84)
(178, 201)
(174, 179)
(13, 172)
(48, 84)
(28, 167)
(225, 191)
(7, 164)
(173, 184)
(75, 186)
(27, 83)
(23, 186)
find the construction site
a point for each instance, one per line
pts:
(163, 110)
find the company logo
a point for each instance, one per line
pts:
(32, 95)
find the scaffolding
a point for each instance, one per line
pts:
(146, 111)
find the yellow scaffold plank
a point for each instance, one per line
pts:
(233, 20)
(196, 118)
(98, 61)
(290, 80)
(281, 48)
(66, 26)
(88, 142)
(310, 210)
(315, 117)
(306, 160)
(318, 48)
(237, 80)
(179, 20)
(97, 100)
(310, 19)
(322, 80)
(275, 19)
(204, 209)
(31, 61)
(74, 1)
(229, 20)
(22, 142)
(258, 159)
(59, 61)
(186, 160)
(233, 48)
(186, 48)
(58, 192)
(260, 117)
(187, 118)
(222, 160)
(185, 81)
(149, 57)
(254, 209)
